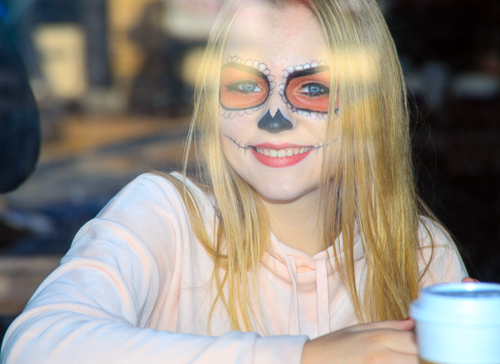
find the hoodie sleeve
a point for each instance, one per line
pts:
(95, 308)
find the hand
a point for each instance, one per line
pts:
(386, 342)
(469, 280)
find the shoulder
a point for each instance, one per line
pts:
(439, 258)
(431, 233)
(149, 212)
(152, 194)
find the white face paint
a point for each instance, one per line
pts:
(275, 63)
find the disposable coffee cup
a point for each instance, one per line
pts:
(458, 323)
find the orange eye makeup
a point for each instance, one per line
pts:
(309, 89)
(243, 87)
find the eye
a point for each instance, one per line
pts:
(309, 90)
(245, 87)
(314, 90)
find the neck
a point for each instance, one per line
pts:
(297, 223)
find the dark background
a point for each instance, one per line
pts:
(457, 141)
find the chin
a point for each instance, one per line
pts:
(282, 194)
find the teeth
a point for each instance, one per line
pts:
(283, 152)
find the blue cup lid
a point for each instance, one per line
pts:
(458, 303)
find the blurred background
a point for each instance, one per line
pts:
(113, 80)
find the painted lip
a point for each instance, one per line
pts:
(279, 146)
(276, 162)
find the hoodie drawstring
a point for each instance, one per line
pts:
(294, 307)
(322, 296)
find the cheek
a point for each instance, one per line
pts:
(315, 128)
(238, 125)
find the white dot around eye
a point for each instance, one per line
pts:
(314, 64)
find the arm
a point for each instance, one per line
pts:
(96, 307)
(388, 342)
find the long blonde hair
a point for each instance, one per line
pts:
(367, 181)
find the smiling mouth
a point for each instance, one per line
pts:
(282, 153)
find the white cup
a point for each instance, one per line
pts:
(458, 323)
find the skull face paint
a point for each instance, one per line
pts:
(245, 86)
(306, 89)
(272, 133)
(274, 124)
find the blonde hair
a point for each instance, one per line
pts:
(367, 179)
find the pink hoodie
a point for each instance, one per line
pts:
(135, 287)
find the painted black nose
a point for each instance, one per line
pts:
(274, 124)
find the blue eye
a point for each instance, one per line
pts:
(314, 89)
(245, 87)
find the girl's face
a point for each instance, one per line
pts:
(274, 97)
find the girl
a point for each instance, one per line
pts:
(302, 241)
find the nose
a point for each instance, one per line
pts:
(274, 124)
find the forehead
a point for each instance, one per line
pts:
(287, 36)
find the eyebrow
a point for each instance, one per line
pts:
(245, 68)
(308, 72)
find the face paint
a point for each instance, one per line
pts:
(245, 86)
(274, 124)
(279, 163)
(306, 89)
(277, 156)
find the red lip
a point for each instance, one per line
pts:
(279, 162)
(279, 146)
